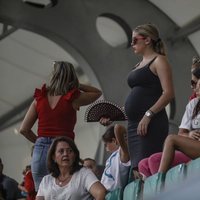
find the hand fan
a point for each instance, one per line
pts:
(103, 108)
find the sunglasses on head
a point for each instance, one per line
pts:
(193, 84)
(135, 39)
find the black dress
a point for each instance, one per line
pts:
(145, 91)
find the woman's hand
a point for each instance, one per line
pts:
(105, 121)
(195, 134)
(143, 125)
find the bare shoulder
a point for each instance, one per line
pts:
(160, 65)
(161, 60)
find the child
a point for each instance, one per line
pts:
(117, 167)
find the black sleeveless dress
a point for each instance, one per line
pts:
(145, 91)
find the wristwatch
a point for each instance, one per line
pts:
(149, 113)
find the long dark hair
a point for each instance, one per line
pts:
(53, 166)
(196, 73)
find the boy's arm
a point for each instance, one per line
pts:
(120, 132)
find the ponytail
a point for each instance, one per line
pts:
(159, 47)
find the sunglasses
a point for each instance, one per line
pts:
(135, 40)
(193, 84)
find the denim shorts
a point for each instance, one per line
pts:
(39, 159)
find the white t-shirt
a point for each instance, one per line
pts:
(187, 121)
(116, 173)
(76, 189)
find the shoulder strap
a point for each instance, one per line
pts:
(151, 61)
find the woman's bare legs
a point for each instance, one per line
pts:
(188, 146)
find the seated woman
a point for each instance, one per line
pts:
(67, 179)
(190, 125)
(188, 141)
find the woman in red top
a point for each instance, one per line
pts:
(55, 107)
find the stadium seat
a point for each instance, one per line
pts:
(133, 190)
(193, 167)
(153, 185)
(115, 195)
(175, 175)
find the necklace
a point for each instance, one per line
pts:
(61, 182)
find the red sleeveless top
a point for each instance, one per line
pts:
(59, 121)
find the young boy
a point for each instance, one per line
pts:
(117, 167)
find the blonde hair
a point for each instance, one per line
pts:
(63, 79)
(150, 30)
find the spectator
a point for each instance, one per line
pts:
(28, 186)
(2, 192)
(150, 165)
(117, 167)
(21, 185)
(188, 140)
(9, 185)
(55, 106)
(151, 90)
(68, 179)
